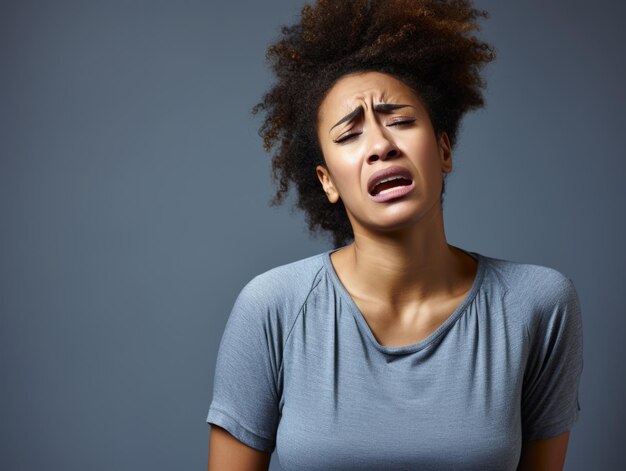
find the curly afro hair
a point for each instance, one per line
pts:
(427, 44)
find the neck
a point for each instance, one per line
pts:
(405, 267)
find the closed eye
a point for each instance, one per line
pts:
(397, 122)
(346, 137)
(402, 121)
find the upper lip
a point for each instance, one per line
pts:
(395, 171)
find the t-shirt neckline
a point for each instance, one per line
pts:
(442, 329)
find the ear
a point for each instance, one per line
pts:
(445, 152)
(327, 183)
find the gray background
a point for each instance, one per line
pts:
(133, 208)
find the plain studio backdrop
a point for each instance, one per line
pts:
(134, 206)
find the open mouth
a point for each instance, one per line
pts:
(390, 184)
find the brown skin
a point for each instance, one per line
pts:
(544, 455)
(401, 272)
(226, 453)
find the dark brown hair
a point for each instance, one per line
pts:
(427, 44)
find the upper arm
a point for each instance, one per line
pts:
(226, 453)
(246, 389)
(553, 370)
(544, 455)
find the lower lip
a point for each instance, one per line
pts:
(393, 194)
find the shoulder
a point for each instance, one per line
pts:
(292, 280)
(280, 293)
(542, 298)
(531, 283)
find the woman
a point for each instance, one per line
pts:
(396, 351)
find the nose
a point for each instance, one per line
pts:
(380, 146)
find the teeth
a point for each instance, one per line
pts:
(389, 179)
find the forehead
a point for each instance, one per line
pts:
(364, 89)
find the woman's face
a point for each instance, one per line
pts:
(382, 156)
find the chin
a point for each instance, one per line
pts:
(402, 217)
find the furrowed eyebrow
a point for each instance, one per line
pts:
(348, 117)
(387, 107)
(380, 108)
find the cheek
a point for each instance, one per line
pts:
(344, 166)
(424, 152)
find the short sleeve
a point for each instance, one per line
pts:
(245, 398)
(550, 404)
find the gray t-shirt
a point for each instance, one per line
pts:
(299, 370)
